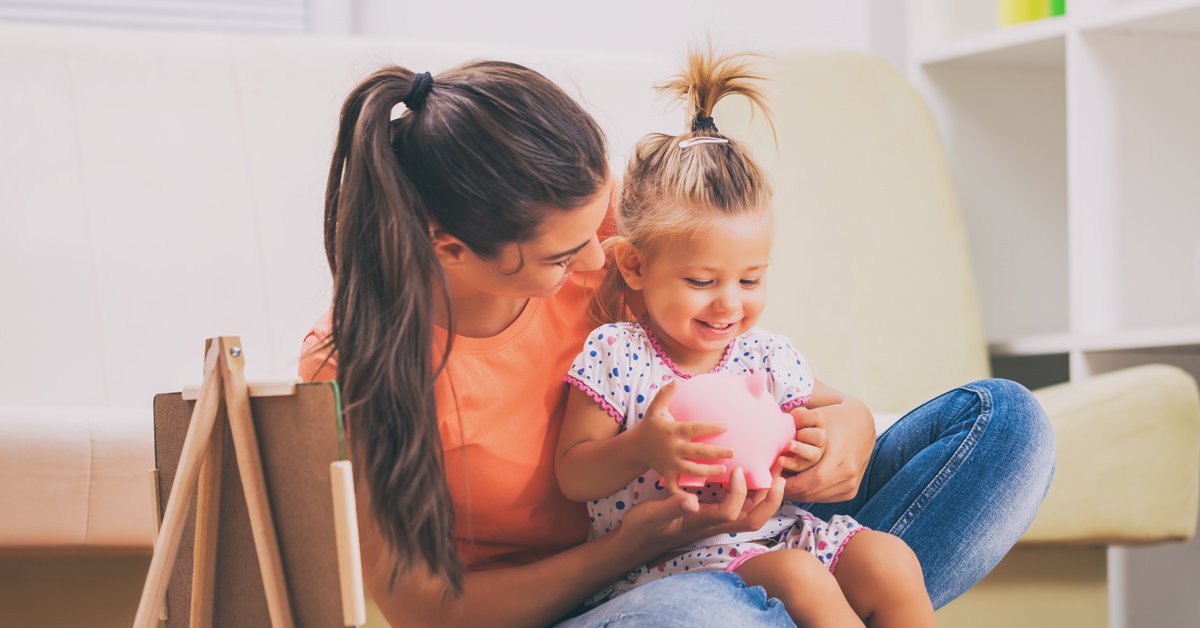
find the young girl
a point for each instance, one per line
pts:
(690, 259)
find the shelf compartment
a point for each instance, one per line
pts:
(1135, 194)
(1038, 44)
(1005, 135)
(1149, 17)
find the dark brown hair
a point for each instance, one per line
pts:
(672, 186)
(491, 148)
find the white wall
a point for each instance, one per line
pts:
(639, 26)
(664, 26)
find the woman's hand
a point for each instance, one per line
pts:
(849, 435)
(659, 526)
(809, 445)
(665, 445)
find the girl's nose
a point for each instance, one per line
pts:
(591, 257)
(725, 302)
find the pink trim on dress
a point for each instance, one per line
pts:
(597, 397)
(662, 355)
(794, 403)
(745, 556)
(842, 547)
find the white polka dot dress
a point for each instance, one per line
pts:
(621, 367)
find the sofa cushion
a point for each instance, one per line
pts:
(1128, 459)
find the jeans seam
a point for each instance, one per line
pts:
(952, 465)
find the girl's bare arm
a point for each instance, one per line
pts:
(594, 460)
(594, 457)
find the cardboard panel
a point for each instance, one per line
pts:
(299, 436)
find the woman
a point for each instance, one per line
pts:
(462, 237)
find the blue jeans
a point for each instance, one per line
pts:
(959, 479)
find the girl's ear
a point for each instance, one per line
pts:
(629, 261)
(450, 251)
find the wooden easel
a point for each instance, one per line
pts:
(199, 475)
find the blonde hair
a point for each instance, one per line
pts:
(674, 187)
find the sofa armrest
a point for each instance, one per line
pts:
(75, 479)
(1128, 466)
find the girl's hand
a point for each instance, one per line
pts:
(659, 526)
(665, 445)
(809, 446)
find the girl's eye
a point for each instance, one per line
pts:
(565, 262)
(699, 283)
(752, 282)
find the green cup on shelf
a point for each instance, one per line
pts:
(1058, 7)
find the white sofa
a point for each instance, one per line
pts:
(161, 188)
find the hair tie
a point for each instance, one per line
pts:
(420, 89)
(702, 123)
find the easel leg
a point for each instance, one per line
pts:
(208, 515)
(166, 546)
(249, 461)
(156, 519)
(345, 528)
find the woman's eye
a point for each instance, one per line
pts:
(752, 282)
(699, 283)
(565, 262)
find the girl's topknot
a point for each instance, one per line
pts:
(706, 79)
(700, 168)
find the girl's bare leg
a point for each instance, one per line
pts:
(808, 591)
(882, 581)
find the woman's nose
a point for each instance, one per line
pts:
(591, 257)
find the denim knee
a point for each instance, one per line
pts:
(700, 599)
(1016, 414)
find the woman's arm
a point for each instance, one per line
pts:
(593, 460)
(538, 593)
(843, 429)
(528, 595)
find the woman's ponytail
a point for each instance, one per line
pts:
(385, 277)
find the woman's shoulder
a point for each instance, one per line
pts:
(317, 360)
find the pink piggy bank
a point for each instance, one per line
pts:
(757, 430)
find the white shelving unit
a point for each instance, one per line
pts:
(1075, 147)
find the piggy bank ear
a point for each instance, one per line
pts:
(756, 383)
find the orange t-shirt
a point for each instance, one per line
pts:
(500, 405)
